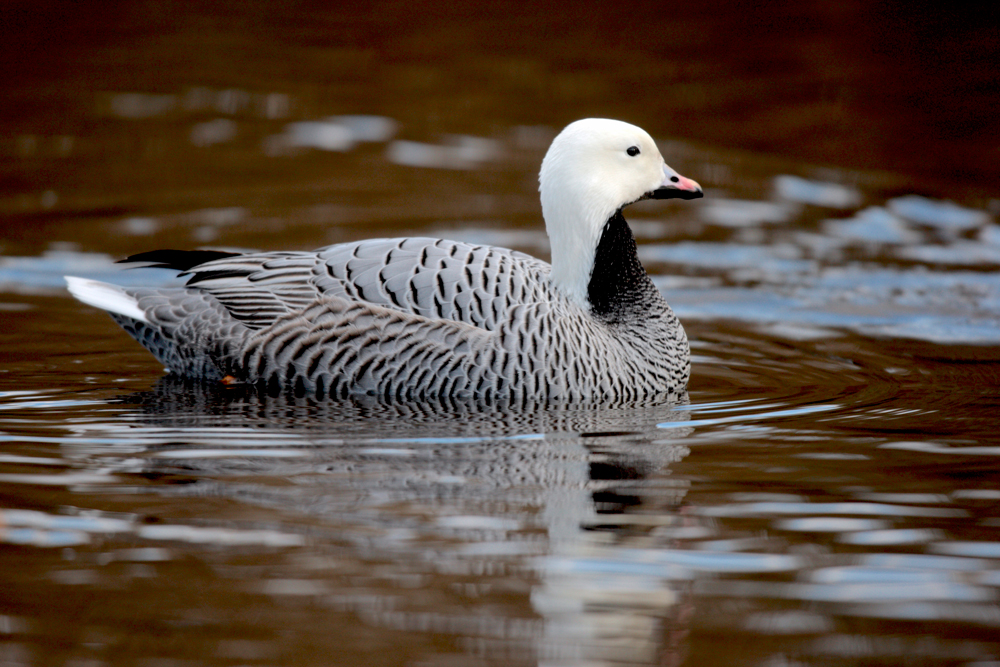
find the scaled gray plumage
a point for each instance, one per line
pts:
(419, 317)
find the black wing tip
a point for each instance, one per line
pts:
(180, 260)
(201, 276)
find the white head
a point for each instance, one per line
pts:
(593, 168)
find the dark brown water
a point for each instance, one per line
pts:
(829, 494)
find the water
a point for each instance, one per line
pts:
(826, 494)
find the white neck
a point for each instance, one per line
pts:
(574, 222)
(593, 167)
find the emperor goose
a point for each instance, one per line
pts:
(419, 317)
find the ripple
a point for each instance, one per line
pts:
(937, 306)
(942, 214)
(220, 536)
(892, 537)
(740, 213)
(51, 530)
(969, 549)
(788, 623)
(754, 416)
(81, 478)
(721, 561)
(759, 260)
(764, 509)
(458, 152)
(927, 447)
(825, 524)
(944, 611)
(817, 193)
(228, 453)
(873, 225)
(869, 592)
(877, 575)
(922, 562)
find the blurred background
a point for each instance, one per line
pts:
(134, 108)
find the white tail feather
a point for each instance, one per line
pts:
(105, 296)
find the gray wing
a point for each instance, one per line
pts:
(432, 278)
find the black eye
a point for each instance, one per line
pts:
(674, 179)
(633, 150)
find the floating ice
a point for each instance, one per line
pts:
(872, 225)
(942, 214)
(743, 213)
(817, 193)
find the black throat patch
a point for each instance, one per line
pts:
(619, 289)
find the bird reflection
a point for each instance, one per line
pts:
(567, 496)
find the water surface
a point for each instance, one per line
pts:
(826, 493)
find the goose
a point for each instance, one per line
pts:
(411, 318)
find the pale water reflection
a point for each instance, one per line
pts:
(560, 535)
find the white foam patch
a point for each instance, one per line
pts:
(105, 296)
